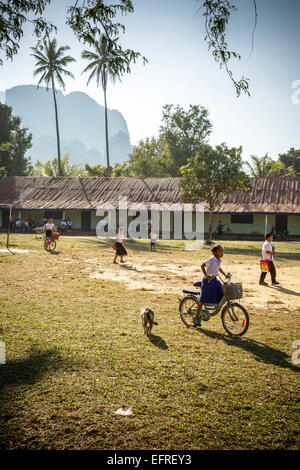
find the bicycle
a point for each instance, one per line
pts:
(227, 230)
(235, 318)
(50, 243)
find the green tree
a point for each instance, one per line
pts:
(265, 167)
(14, 14)
(14, 143)
(117, 171)
(291, 161)
(151, 157)
(51, 168)
(107, 61)
(96, 170)
(211, 175)
(260, 167)
(184, 132)
(51, 65)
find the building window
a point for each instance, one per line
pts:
(57, 215)
(242, 218)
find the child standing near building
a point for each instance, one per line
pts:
(268, 255)
(153, 238)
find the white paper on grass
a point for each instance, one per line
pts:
(122, 412)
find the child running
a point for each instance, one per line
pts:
(211, 289)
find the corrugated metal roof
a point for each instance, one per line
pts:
(268, 195)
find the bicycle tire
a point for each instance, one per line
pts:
(52, 245)
(245, 322)
(186, 315)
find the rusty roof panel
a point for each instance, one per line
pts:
(268, 195)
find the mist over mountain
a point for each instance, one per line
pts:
(81, 125)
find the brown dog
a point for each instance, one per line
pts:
(147, 317)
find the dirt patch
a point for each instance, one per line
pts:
(159, 277)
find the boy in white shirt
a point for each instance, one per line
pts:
(268, 254)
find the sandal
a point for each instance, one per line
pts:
(196, 322)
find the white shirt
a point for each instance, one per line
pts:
(267, 246)
(49, 226)
(212, 265)
(153, 237)
(119, 238)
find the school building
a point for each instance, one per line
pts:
(271, 202)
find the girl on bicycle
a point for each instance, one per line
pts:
(211, 288)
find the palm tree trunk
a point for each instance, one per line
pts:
(106, 134)
(57, 129)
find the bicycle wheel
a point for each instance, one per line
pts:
(235, 319)
(52, 245)
(188, 309)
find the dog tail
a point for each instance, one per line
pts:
(155, 323)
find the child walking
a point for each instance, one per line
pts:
(211, 289)
(268, 254)
(119, 243)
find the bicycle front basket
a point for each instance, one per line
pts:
(233, 291)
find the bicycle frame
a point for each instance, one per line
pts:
(208, 311)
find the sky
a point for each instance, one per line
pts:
(180, 70)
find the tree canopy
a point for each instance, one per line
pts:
(89, 20)
(211, 175)
(14, 143)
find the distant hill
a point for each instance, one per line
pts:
(81, 125)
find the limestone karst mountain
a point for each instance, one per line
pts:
(81, 121)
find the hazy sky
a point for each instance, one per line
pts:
(181, 71)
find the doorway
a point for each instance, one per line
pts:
(85, 221)
(280, 223)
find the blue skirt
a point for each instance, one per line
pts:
(211, 291)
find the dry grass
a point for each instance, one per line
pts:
(76, 351)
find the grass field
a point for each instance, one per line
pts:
(76, 351)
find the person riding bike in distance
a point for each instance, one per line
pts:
(211, 288)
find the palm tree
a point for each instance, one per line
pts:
(51, 66)
(107, 62)
(261, 167)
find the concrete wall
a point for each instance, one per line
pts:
(257, 228)
(294, 224)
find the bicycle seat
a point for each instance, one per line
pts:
(193, 292)
(197, 283)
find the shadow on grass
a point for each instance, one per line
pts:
(287, 291)
(14, 374)
(30, 369)
(158, 341)
(261, 352)
(54, 252)
(130, 268)
(243, 250)
(134, 245)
